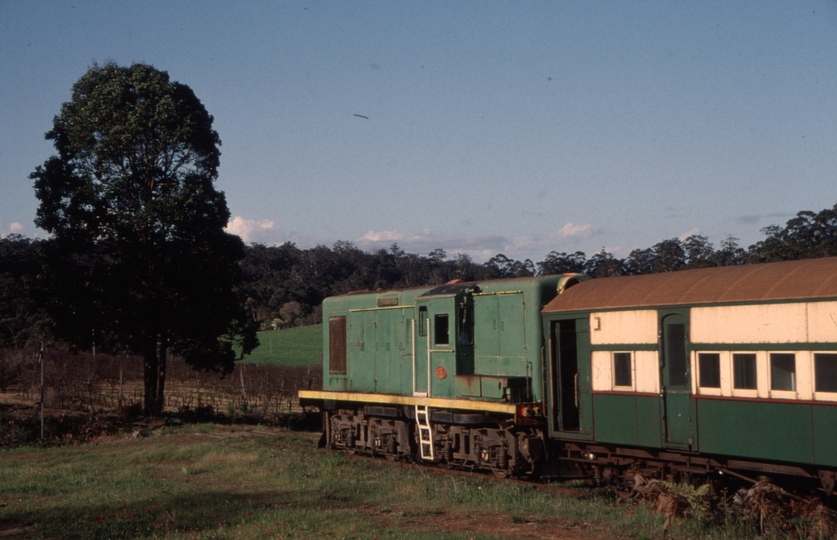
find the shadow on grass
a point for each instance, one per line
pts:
(279, 513)
(20, 425)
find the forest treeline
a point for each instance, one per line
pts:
(284, 285)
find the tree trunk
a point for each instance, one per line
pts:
(150, 382)
(161, 375)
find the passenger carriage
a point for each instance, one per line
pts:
(718, 369)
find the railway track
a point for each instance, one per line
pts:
(762, 504)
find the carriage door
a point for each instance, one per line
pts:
(569, 377)
(678, 406)
(565, 365)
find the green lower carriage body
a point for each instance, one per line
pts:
(625, 420)
(786, 432)
(689, 374)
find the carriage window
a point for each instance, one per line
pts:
(710, 370)
(678, 370)
(744, 371)
(337, 345)
(782, 371)
(825, 372)
(622, 369)
(440, 330)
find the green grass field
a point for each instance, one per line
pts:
(301, 346)
(209, 481)
(215, 482)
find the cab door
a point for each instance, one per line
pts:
(435, 358)
(678, 407)
(441, 362)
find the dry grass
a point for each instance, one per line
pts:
(764, 509)
(769, 508)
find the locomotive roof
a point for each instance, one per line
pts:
(450, 288)
(782, 281)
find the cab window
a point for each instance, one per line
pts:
(441, 330)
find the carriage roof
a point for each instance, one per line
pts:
(811, 279)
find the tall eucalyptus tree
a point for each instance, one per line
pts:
(138, 259)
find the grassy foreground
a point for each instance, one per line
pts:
(215, 482)
(301, 346)
(210, 481)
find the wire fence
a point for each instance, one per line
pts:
(100, 383)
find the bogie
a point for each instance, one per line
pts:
(354, 431)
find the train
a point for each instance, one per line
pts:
(687, 376)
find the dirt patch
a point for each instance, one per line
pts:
(16, 532)
(499, 524)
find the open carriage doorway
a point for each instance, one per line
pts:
(565, 371)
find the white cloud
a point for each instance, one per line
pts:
(264, 231)
(480, 248)
(571, 230)
(689, 233)
(381, 236)
(14, 227)
(536, 246)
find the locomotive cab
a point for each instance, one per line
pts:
(472, 344)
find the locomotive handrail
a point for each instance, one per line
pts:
(497, 293)
(384, 308)
(575, 385)
(413, 351)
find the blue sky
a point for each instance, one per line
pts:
(492, 127)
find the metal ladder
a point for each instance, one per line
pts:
(425, 432)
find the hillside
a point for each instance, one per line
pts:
(302, 346)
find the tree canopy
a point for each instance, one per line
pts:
(809, 235)
(22, 323)
(138, 260)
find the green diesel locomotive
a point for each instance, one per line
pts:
(683, 375)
